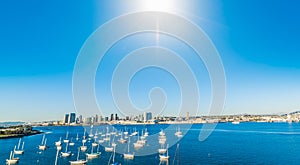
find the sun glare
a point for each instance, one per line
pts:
(158, 5)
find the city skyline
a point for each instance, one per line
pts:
(258, 45)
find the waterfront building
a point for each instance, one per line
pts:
(187, 116)
(66, 119)
(111, 117)
(72, 118)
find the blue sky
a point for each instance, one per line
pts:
(258, 42)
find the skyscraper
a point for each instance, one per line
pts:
(66, 119)
(72, 118)
(148, 116)
(111, 117)
(187, 116)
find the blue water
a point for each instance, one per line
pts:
(246, 143)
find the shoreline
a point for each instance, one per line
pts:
(34, 132)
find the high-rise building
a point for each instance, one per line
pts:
(111, 117)
(96, 119)
(116, 117)
(72, 118)
(99, 119)
(148, 116)
(187, 116)
(79, 119)
(66, 119)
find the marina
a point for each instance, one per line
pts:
(228, 144)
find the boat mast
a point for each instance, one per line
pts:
(78, 153)
(19, 143)
(56, 157)
(23, 146)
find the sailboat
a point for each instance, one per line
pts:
(78, 162)
(83, 148)
(100, 141)
(77, 138)
(113, 144)
(11, 159)
(122, 140)
(18, 150)
(95, 144)
(109, 148)
(134, 133)
(162, 150)
(66, 153)
(125, 132)
(91, 131)
(93, 154)
(43, 143)
(164, 157)
(128, 155)
(146, 133)
(178, 133)
(67, 140)
(162, 133)
(138, 143)
(162, 138)
(84, 140)
(71, 142)
(58, 143)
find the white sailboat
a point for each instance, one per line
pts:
(91, 131)
(93, 154)
(164, 157)
(77, 161)
(178, 133)
(122, 140)
(134, 133)
(162, 138)
(162, 150)
(109, 148)
(128, 155)
(77, 138)
(138, 144)
(43, 145)
(83, 148)
(19, 150)
(84, 137)
(71, 142)
(58, 143)
(66, 153)
(162, 133)
(125, 132)
(67, 140)
(100, 141)
(95, 144)
(11, 159)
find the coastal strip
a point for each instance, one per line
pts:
(17, 131)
